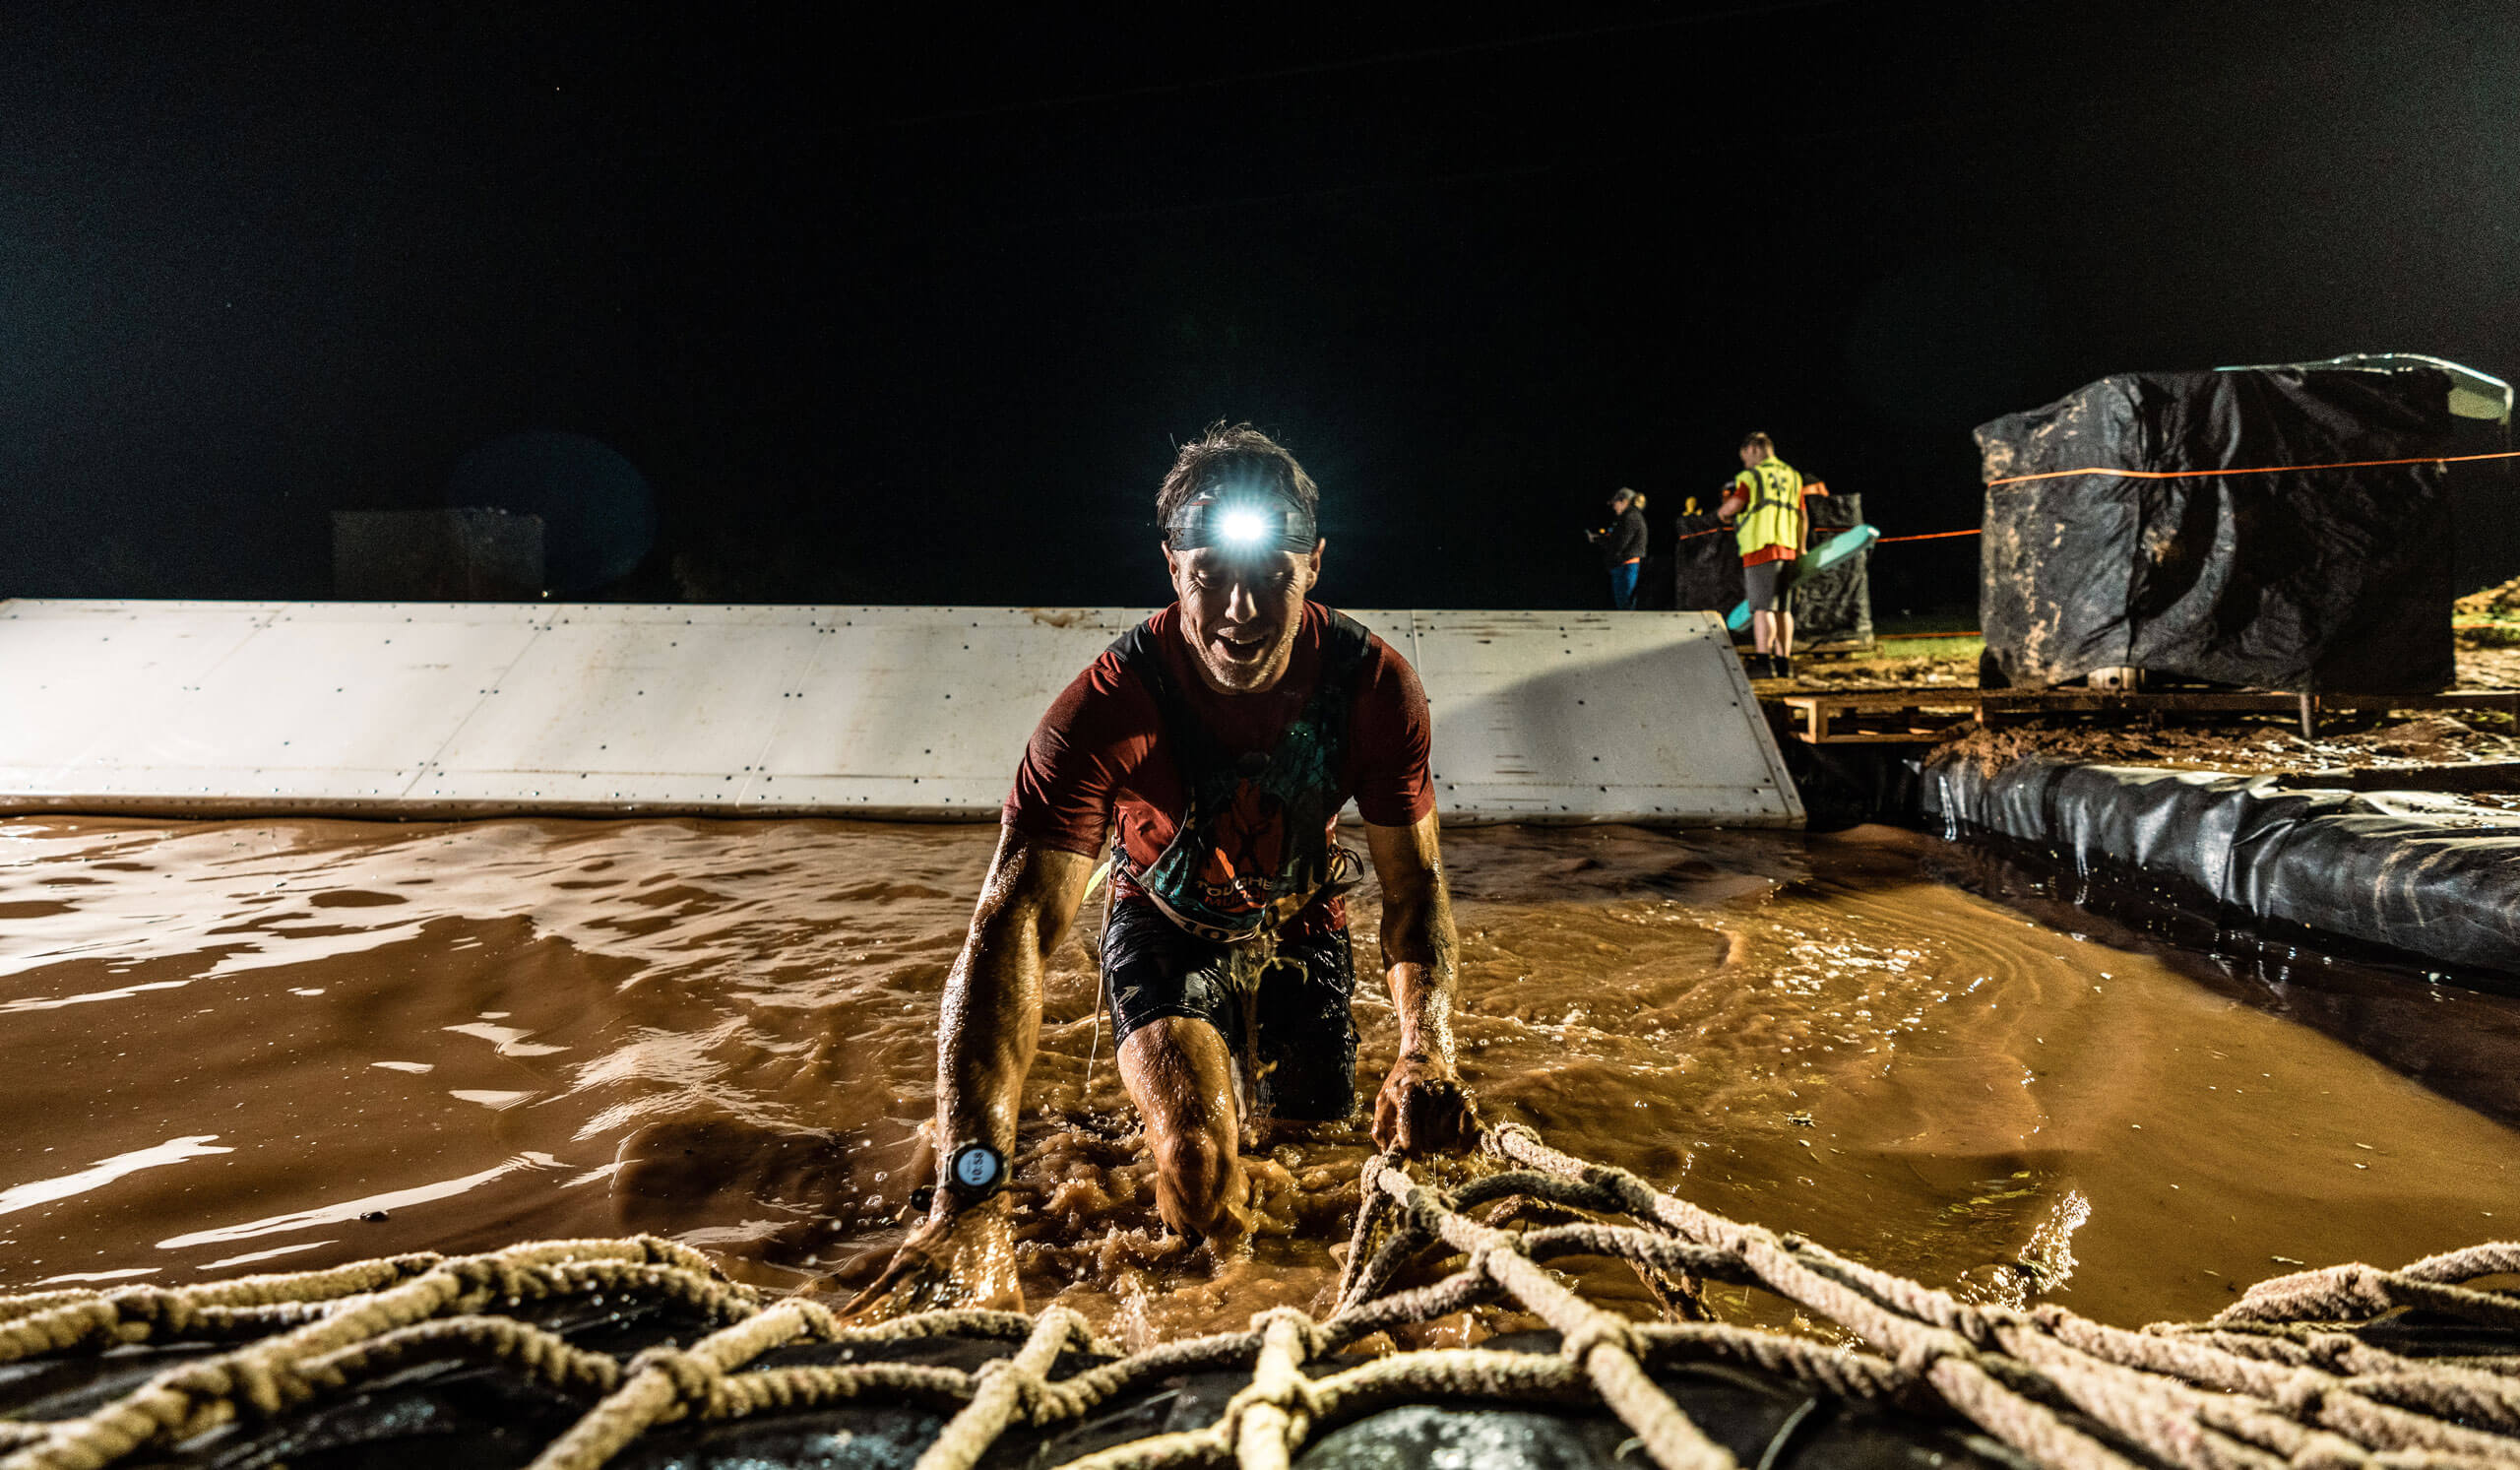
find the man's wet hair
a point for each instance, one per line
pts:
(1760, 442)
(1232, 454)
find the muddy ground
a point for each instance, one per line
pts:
(2414, 743)
(2489, 655)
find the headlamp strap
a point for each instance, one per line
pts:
(1208, 517)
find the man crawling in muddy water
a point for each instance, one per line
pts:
(1217, 742)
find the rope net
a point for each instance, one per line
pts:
(2288, 1375)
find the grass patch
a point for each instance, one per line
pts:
(1966, 649)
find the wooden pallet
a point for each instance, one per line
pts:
(1906, 716)
(1928, 714)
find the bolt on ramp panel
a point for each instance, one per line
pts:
(428, 709)
(1587, 717)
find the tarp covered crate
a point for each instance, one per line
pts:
(2227, 525)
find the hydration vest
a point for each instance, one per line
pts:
(1253, 846)
(1774, 516)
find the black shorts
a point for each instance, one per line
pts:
(1306, 1045)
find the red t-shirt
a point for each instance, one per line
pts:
(1095, 752)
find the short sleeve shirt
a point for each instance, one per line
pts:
(1096, 757)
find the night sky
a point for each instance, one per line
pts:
(894, 316)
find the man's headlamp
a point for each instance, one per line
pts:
(1252, 519)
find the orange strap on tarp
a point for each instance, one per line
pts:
(2428, 459)
(1883, 541)
(1934, 536)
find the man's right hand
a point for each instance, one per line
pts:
(963, 1259)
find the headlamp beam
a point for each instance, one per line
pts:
(1245, 519)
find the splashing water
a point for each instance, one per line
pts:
(242, 1046)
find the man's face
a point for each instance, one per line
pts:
(1751, 455)
(1239, 612)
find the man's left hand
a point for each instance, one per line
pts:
(1424, 1108)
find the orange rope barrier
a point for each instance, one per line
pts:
(2436, 459)
(2430, 459)
(1880, 541)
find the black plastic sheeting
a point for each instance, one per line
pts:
(1846, 784)
(2419, 874)
(1835, 606)
(2485, 494)
(2338, 579)
(1706, 564)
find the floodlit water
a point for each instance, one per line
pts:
(229, 1046)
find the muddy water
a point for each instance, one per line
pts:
(236, 1047)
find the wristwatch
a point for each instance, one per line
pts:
(976, 1170)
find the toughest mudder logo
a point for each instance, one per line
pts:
(1247, 848)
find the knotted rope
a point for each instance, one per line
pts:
(2278, 1382)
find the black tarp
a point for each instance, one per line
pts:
(2485, 494)
(1835, 606)
(2423, 875)
(2338, 579)
(1706, 565)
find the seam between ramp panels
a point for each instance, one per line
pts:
(778, 725)
(537, 628)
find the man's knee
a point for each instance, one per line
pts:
(1181, 1078)
(1199, 1185)
(1195, 1162)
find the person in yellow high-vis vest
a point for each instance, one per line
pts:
(1765, 504)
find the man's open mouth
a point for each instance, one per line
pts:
(1242, 650)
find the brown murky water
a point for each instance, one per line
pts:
(229, 1044)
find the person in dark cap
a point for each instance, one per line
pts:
(1623, 545)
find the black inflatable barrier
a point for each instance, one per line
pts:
(2419, 874)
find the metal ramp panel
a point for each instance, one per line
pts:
(476, 709)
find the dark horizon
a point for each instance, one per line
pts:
(917, 318)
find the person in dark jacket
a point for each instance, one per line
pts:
(1623, 545)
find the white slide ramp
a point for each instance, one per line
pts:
(475, 709)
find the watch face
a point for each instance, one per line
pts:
(975, 1168)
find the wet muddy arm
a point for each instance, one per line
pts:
(1423, 1103)
(990, 1025)
(992, 1019)
(1418, 947)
